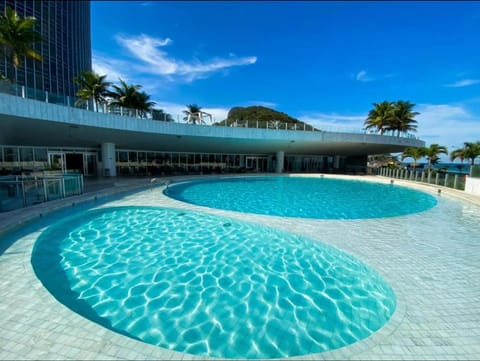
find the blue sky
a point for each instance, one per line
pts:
(322, 62)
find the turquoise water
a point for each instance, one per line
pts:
(208, 285)
(321, 198)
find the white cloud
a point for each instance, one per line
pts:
(113, 68)
(155, 61)
(448, 125)
(463, 83)
(444, 124)
(363, 77)
(262, 103)
(334, 122)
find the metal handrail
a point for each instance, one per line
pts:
(44, 96)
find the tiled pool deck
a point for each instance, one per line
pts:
(437, 287)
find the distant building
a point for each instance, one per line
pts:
(65, 49)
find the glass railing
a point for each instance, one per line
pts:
(23, 191)
(446, 179)
(29, 93)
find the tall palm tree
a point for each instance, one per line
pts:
(414, 153)
(432, 153)
(92, 86)
(471, 151)
(17, 36)
(192, 110)
(403, 117)
(458, 153)
(129, 96)
(380, 116)
(143, 104)
(159, 114)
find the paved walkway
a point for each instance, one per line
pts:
(433, 267)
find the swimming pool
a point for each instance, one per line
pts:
(208, 285)
(303, 197)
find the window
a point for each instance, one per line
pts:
(26, 154)
(41, 155)
(11, 154)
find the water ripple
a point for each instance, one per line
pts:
(190, 283)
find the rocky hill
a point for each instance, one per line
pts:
(261, 117)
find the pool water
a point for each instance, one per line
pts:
(305, 197)
(209, 285)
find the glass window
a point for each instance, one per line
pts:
(11, 154)
(183, 159)
(26, 154)
(1, 154)
(132, 156)
(167, 157)
(150, 157)
(122, 157)
(142, 157)
(40, 154)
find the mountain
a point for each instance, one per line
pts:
(261, 117)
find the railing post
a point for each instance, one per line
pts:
(45, 190)
(422, 177)
(429, 177)
(24, 196)
(455, 181)
(23, 91)
(81, 183)
(446, 180)
(62, 187)
(437, 177)
(46, 97)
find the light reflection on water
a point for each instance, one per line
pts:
(209, 285)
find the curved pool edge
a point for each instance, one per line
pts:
(38, 327)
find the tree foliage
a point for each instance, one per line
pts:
(129, 96)
(17, 37)
(92, 86)
(266, 117)
(392, 116)
(469, 151)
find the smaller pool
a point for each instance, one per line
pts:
(208, 285)
(305, 197)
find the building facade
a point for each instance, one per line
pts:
(65, 49)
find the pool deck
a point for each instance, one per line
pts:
(437, 287)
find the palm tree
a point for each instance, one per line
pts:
(125, 94)
(458, 153)
(403, 117)
(92, 86)
(159, 114)
(380, 116)
(415, 153)
(471, 151)
(143, 104)
(191, 112)
(129, 96)
(432, 153)
(17, 36)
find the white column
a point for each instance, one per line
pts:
(280, 155)
(336, 161)
(108, 159)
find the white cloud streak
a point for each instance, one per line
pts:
(463, 83)
(448, 125)
(363, 77)
(150, 58)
